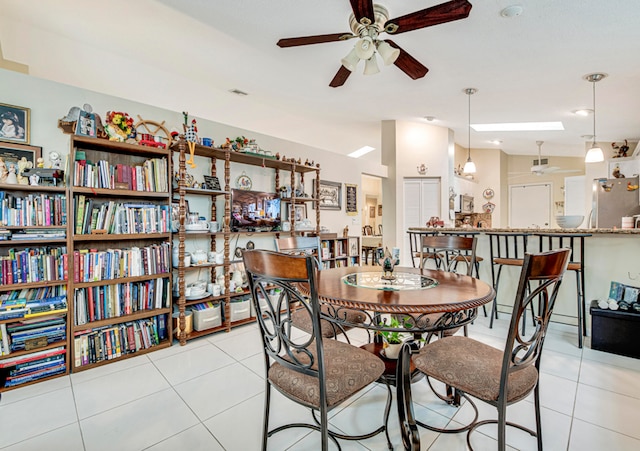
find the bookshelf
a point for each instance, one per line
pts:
(120, 251)
(33, 284)
(220, 241)
(338, 252)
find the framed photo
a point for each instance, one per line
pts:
(330, 195)
(379, 210)
(14, 123)
(299, 212)
(86, 125)
(372, 211)
(351, 199)
(13, 153)
(212, 182)
(175, 214)
(354, 251)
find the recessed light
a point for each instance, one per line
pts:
(511, 11)
(518, 127)
(497, 142)
(361, 151)
(583, 112)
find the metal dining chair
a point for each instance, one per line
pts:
(309, 370)
(497, 377)
(415, 249)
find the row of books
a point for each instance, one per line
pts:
(91, 265)
(150, 176)
(112, 301)
(111, 342)
(34, 264)
(50, 329)
(36, 307)
(113, 217)
(12, 299)
(34, 366)
(33, 209)
(33, 234)
(4, 340)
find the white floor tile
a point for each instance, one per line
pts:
(611, 359)
(36, 415)
(589, 436)
(192, 362)
(176, 348)
(111, 368)
(35, 390)
(219, 390)
(106, 392)
(609, 410)
(138, 424)
(609, 377)
(196, 438)
(559, 364)
(256, 364)
(66, 438)
(249, 344)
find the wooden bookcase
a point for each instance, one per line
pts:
(221, 240)
(33, 251)
(338, 252)
(119, 251)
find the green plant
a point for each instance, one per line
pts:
(395, 336)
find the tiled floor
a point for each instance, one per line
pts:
(209, 396)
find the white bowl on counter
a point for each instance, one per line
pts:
(570, 221)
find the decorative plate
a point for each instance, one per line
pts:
(488, 193)
(489, 207)
(243, 181)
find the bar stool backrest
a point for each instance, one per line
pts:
(452, 250)
(507, 245)
(415, 241)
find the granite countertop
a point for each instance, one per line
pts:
(614, 231)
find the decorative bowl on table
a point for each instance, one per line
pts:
(569, 222)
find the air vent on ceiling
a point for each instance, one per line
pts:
(238, 92)
(542, 161)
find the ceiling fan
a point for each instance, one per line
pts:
(368, 21)
(541, 165)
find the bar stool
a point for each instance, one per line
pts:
(575, 242)
(506, 249)
(463, 258)
(415, 246)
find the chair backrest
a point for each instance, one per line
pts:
(299, 245)
(367, 230)
(267, 269)
(508, 245)
(522, 350)
(453, 249)
(415, 242)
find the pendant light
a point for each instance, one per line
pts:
(594, 154)
(469, 166)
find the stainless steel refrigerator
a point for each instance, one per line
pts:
(613, 199)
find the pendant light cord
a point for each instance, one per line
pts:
(469, 92)
(594, 112)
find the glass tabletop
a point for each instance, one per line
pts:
(400, 281)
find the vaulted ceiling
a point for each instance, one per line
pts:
(188, 54)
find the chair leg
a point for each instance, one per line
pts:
(502, 428)
(265, 424)
(581, 312)
(494, 306)
(536, 397)
(406, 417)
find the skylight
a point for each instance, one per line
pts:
(361, 151)
(518, 127)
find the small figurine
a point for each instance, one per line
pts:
(388, 263)
(277, 155)
(34, 179)
(3, 171)
(40, 162)
(56, 161)
(11, 177)
(22, 165)
(191, 136)
(622, 150)
(616, 173)
(345, 232)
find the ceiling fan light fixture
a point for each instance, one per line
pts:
(371, 66)
(388, 54)
(365, 48)
(351, 60)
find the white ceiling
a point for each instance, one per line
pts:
(187, 54)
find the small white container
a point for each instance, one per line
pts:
(627, 222)
(240, 310)
(207, 319)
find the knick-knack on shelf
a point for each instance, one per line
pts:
(12, 179)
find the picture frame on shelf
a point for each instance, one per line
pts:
(15, 124)
(212, 182)
(353, 247)
(12, 153)
(299, 212)
(175, 214)
(86, 124)
(380, 210)
(329, 195)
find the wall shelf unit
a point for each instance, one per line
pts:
(220, 241)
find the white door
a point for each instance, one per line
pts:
(421, 202)
(530, 206)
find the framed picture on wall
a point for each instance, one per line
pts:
(330, 195)
(351, 205)
(14, 124)
(372, 211)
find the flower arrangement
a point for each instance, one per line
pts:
(119, 126)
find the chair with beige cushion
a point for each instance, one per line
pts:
(309, 370)
(497, 377)
(300, 245)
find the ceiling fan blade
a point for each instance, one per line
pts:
(363, 8)
(317, 39)
(340, 77)
(408, 64)
(445, 12)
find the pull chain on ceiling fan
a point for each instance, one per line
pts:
(368, 21)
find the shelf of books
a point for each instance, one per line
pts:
(120, 251)
(33, 284)
(338, 252)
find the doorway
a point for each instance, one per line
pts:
(372, 208)
(530, 205)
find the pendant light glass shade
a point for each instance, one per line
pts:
(469, 166)
(594, 154)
